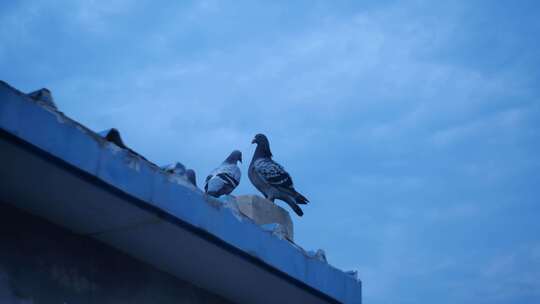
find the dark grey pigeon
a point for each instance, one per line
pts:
(45, 96)
(271, 178)
(191, 177)
(113, 135)
(224, 178)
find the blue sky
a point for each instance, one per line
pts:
(412, 126)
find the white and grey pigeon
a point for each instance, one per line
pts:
(271, 179)
(224, 178)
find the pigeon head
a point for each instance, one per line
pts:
(235, 156)
(176, 168)
(263, 145)
(260, 139)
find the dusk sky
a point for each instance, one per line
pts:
(412, 126)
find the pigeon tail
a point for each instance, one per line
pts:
(300, 199)
(291, 202)
(213, 193)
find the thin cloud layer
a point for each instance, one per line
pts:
(411, 126)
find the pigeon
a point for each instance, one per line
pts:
(190, 174)
(45, 96)
(113, 135)
(178, 169)
(224, 178)
(271, 179)
(175, 168)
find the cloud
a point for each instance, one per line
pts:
(486, 126)
(512, 273)
(412, 127)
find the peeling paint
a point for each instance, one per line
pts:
(229, 202)
(112, 147)
(133, 163)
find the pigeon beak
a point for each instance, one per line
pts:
(253, 141)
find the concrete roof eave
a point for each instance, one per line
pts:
(56, 168)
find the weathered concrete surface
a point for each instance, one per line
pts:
(263, 211)
(54, 167)
(42, 263)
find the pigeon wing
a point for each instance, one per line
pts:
(223, 179)
(228, 179)
(273, 174)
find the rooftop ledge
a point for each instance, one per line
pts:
(60, 170)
